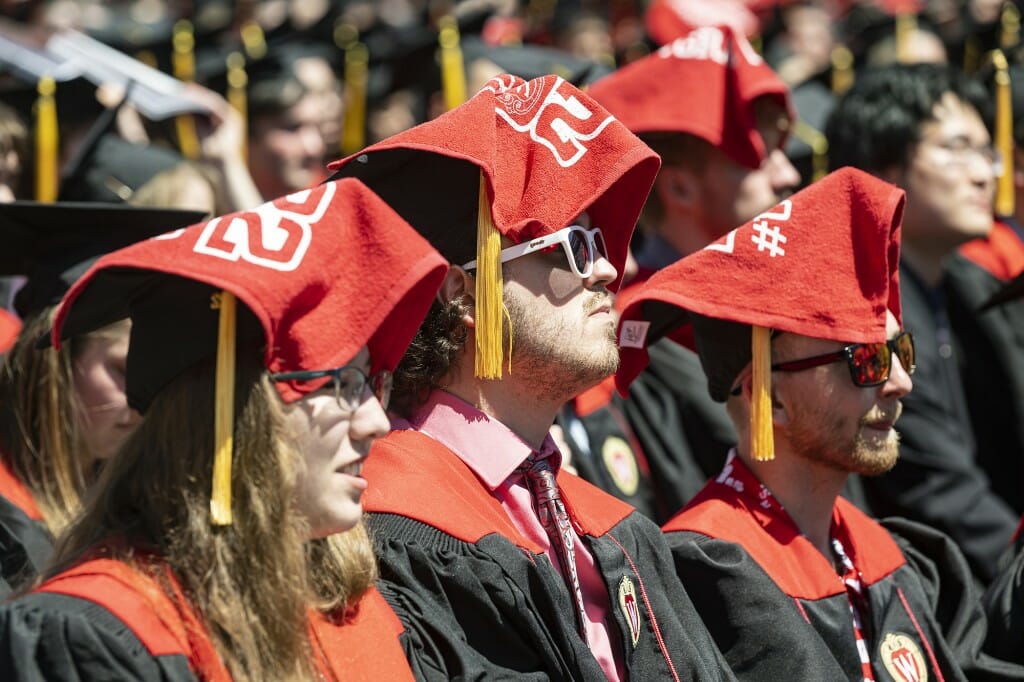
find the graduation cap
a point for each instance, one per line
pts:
(713, 61)
(319, 273)
(540, 152)
(53, 243)
(112, 169)
(823, 263)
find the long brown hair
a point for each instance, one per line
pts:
(249, 583)
(40, 431)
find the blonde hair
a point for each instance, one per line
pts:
(249, 583)
(40, 427)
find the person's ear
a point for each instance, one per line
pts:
(780, 406)
(459, 285)
(678, 189)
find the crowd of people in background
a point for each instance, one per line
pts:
(512, 339)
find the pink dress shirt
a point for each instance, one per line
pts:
(493, 452)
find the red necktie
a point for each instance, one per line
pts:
(540, 479)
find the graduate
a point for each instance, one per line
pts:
(796, 317)
(498, 562)
(223, 539)
(722, 164)
(62, 413)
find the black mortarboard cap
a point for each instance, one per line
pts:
(52, 244)
(533, 61)
(111, 169)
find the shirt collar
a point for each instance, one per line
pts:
(485, 445)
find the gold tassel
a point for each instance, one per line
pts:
(1009, 26)
(819, 148)
(762, 439)
(238, 79)
(46, 140)
(253, 40)
(842, 69)
(353, 124)
(453, 75)
(906, 25)
(224, 415)
(1004, 203)
(184, 64)
(489, 287)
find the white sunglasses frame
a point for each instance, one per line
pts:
(558, 237)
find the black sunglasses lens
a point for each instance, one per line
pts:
(869, 363)
(602, 248)
(580, 250)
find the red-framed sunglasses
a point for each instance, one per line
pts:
(869, 363)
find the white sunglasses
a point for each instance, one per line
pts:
(582, 247)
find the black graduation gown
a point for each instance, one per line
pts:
(1004, 606)
(684, 434)
(779, 611)
(992, 370)
(25, 544)
(104, 620)
(938, 479)
(605, 451)
(96, 622)
(477, 600)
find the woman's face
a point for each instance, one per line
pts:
(333, 442)
(105, 419)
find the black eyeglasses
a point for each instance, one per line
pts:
(349, 384)
(869, 363)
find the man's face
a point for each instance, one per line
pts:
(949, 179)
(286, 152)
(831, 421)
(732, 194)
(563, 327)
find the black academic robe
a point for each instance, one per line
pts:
(938, 479)
(684, 434)
(106, 620)
(478, 600)
(25, 544)
(779, 611)
(605, 451)
(1004, 606)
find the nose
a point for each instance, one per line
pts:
(783, 174)
(313, 140)
(604, 273)
(982, 170)
(899, 382)
(369, 421)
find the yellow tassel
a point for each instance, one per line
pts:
(842, 69)
(762, 439)
(238, 79)
(489, 287)
(46, 140)
(184, 64)
(453, 75)
(224, 415)
(353, 125)
(1004, 135)
(253, 40)
(819, 148)
(1009, 26)
(906, 25)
